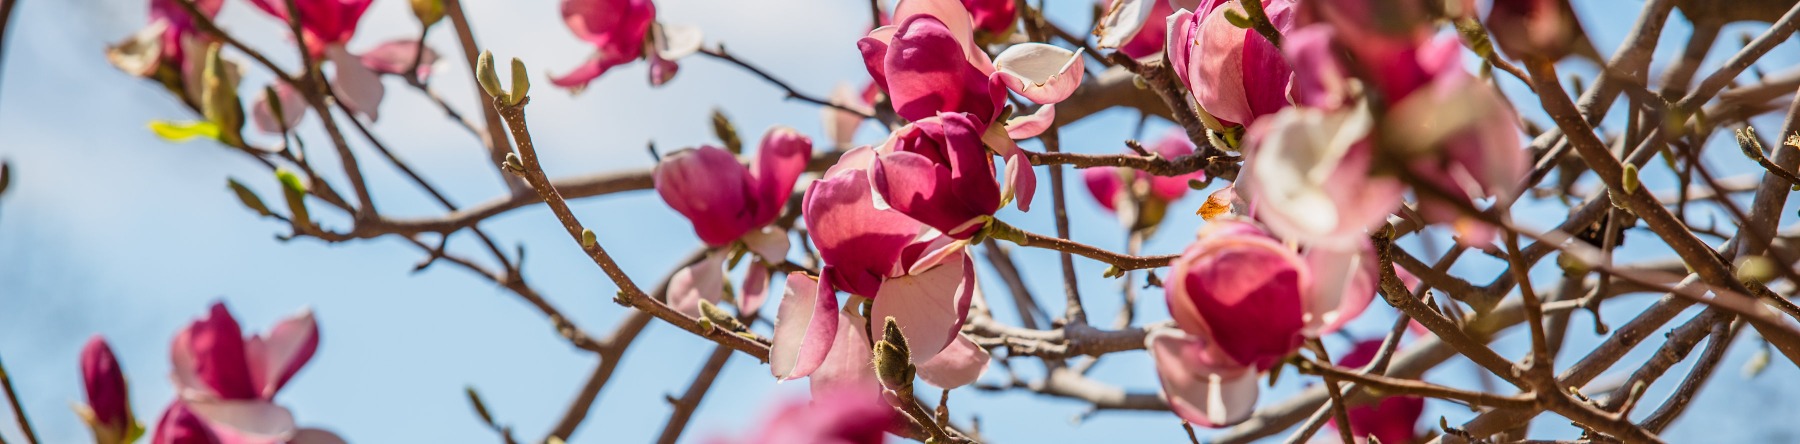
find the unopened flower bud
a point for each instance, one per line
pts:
(487, 77)
(1630, 179)
(726, 132)
(521, 83)
(108, 409)
(893, 361)
(219, 99)
(588, 240)
(429, 12)
(719, 317)
(247, 197)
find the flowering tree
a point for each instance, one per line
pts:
(1333, 141)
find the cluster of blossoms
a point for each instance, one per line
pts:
(225, 385)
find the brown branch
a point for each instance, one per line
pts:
(496, 141)
(12, 400)
(1075, 314)
(1722, 333)
(1023, 238)
(720, 54)
(689, 401)
(1408, 387)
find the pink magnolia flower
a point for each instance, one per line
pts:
(937, 171)
(325, 27)
(1243, 301)
(1308, 176)
(1136, 196)
(108, 409)
(181, 26)
(229, 380)
(160, 51)
(1138, 28)
(1235, 74)
(830, 418)
(622, 31)
(727, 203)
(1471, 145)
(928, 65)
(1393, 418)
(1540, 28)
(180, 425)
(994, 16)
(925, 283)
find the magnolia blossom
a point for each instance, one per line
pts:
(1138, 198)
(1043, 73)
(928, 64)
(829, 418)
(168, 50)
(937, 171)
(108, 409)
(622, 31)
(229, 380)
(1393, 419)
(924, 281)
(325, 27)
(1308, 176)
(1243, 301)
(728, 203)
(1235, 74)
(1138, 28)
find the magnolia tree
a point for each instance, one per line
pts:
(1329, 135)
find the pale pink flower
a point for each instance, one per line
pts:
(1234, 74)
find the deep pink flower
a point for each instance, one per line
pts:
(836, 417)
(925, 283)
(937, 171)
(1243, 301)
(230, 380)
(323, 23)
(1235, 74)
(1391, 420)
(181, 26)
(1109, 186)
(108, 409)
(923, 66)
(993, 16)
(724, 199)
(179, 425)
(620, 31)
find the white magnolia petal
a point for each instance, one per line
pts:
(676, 41)
(703, 280)
(1123, 20)
(1040, 72)
(252, 418)
(769, 243)
(1030, 125)
(928, 307)
(1201, 386)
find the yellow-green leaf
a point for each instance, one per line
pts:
(184, 131)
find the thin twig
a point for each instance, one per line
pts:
(689, 401)
(12, 400)
(719, 53)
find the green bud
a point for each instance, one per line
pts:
(587, 238)
(513, 163)
(1630, 180)
(893, 361)
(480, 407)
(294, 190)
(274, 101)
(521, 82)
(719, 317)
(429, 12)
(487, 77)
(247, 197)
(219, 99)
(726, 132)
(706, 326)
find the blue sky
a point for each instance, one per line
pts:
(110, 230)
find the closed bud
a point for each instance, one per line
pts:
(521, 83)
(893, 361)
(108, 409)
(1630, 179)
(247, 197)
(726, 132)
(429, 12)
(219, 99)
(719, 317)
(513, 164)
(487, 77)
(480, 407)
(588, 240)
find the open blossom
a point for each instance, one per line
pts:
(993, 16)
(229, 380)
(326, 26)
(1138, 28)
(937, 171)
(1308, 176)
(108, 409)
(1138, 197)
(622, 31)
(925, 283)
(1243, 301)
(727, 203)
(1235, 74)
(929, 64)
(829, 418)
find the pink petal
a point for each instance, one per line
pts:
(847, 367)
(805, 325)
(1031, 125)
(1248, 289)
(957, 365)
(1217, 67)
(840, 126)
(104, 384)
(874, 50)
(1123, 20)
(1105, 184)
(860, 243)
(756, 289)
(293, 107)
(780, 159)
(359, 87)
(275, 359)
(1180, 43)
(1202, 386)
(703, 280)
(255, 419)
(209, 358)
(598, 64)
(769, 243)
(929, 307)
(710, 188)
(1021, 180)
(956, 18)
(924, 77)
(857, 159)
(1343, 285)
(394, 57)
(179, 425)
(615, 24)
(1042, 73)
